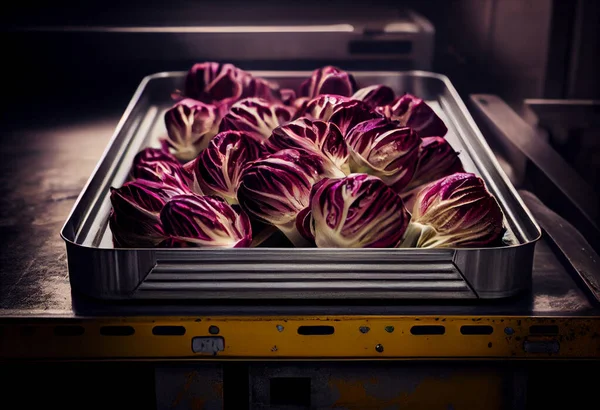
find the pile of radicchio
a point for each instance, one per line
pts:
(329, 165)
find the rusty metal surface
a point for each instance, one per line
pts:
(45, 165)
(198, 387)
(382, 337)
(372, 386)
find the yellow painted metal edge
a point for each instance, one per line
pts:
(337, 337)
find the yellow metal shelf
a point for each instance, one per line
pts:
(327, 337)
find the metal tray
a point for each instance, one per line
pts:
(98, 270)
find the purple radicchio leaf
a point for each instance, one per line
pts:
(342, 111)
(190, 167)
(190, 126)
(413, 112)
(304, 225)
(358, 211)
(255, 116)
(158, 165)
(204, 221)
(319, 108)
(319, 137)
(382, 148)
(214, 83)
(351, 113)
(375, 95)
(255, 87)
(328, 80)
(218, 168)
(437, 159)
(457, 211)
(288, 96)
(276, 188)
(146, 236)
(224, 84)
(299, 106)
(136, 206)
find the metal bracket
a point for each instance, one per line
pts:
(514, 134)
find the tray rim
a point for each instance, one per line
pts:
(303, 73)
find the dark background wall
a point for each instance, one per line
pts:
(515, 48)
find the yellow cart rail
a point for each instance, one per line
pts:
(326, 337)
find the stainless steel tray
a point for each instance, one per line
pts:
(99, 270)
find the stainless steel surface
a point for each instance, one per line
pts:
(578, 253)
(65, 144)
(45, 293)
(553, 293)
(518, 140)
(324, 273)
(98, 270)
